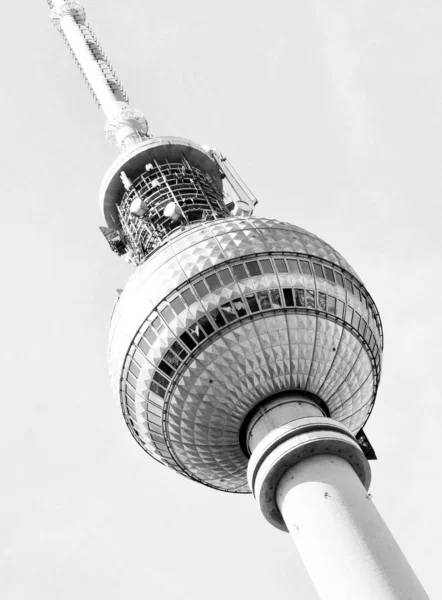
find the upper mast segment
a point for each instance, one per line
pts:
(125, 125)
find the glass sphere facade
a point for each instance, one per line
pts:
(226, 314)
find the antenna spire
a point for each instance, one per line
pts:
(125, 125)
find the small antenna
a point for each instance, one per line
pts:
(125, 125)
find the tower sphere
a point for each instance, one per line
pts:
(226, 314)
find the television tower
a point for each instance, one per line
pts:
(246, 352)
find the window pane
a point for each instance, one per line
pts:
(253, 304)
(239, 307)
(322, 301)
(167, 314)
(310, 299)
(281, 267)
(239, 272)
(349, 314)
(178, 349)
(339, 279)
(157, 389)
(188, 341)
(177, 305)
(226, 276)
(197, 332)
(266, 265)
(293, 265)
(201, 289)
(160, 379)
(355, 320)
(188, 297)
(144, 346)
(329, 274)
(157, 324)
(172, 359)
(275, 298)
(264, 301)
(318, 270)
(213, 282)
(305, 267)
(340, 309)
(331, 305)
(349, 285)
(150, 335)
(167, 369)
(206, 325)
(300, 297)
(362, 326)
(216, 316)
(227, 312)
(288, 297)
(357, 292)
(253, 268)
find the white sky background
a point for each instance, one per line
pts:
(332, 113)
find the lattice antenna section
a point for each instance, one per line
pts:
(125, 125)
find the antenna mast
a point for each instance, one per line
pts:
(125, 125)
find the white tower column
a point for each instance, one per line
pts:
(310, 477)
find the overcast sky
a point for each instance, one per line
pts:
(332, 113)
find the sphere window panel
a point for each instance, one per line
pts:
(339, 279)
(310, 298)
(226, 276)
(275, 298)
(280, 265)
(228, 312)
(217, 317)
(188, 296)
(288, 297)
(305, 267)
(213, 282)
(167, 314)
(187, 341)
(206, 325)
(178, 305)
(150, 335)
(293, 265)
(331, 305)
(178, 349)
(322, 301)
(253, 304)
(349, 286)
(300, 297)
(264, 301)
(239, 306)
(266, 266)
(349, 314)
(239, 272)
(329, 274)
(318, 270)
(201, 289)
(253, 268)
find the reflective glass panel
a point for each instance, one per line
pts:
(134, 369)
(349, 285)
(322, 301)
(167, 314)
(239, 307)
(288, 297)
(157, 389)
(275, 298)
(331, 305)
(239, 272)
(188, 296)
(253, 304)
(217, 317)
(197, 332)
(144, 346)
(362, 326)
(349, 314)
(318, 270)
(167, 369)
(281, 267)
(300, 297)
(355, 319)
(340, 309)
(226, 276)
(339, 279)
(253, 268)
(329, 274)
(178, 305)
(178, 349)
(266, 265)
(213, 282)
(172, 359)
(293, 265)
(206, 325)
(305, 267)
(227, 312)
(201, 289)
(264, 301)
(160, 379)
(188, 341)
